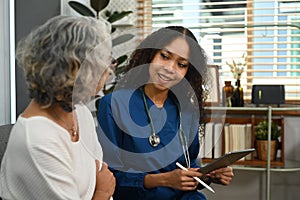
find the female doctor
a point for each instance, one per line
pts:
(150, 121)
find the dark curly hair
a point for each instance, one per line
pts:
(52, 55)
(145, 52)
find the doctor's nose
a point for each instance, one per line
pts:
(170, 67)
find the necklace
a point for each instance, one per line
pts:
(71, 128)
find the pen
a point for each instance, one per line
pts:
(196, 178)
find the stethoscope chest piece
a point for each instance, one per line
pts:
(154, 140)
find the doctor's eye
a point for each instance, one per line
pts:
(164, 55)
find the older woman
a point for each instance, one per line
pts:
(53, 151)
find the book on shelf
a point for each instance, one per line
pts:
(212, 145)
(248, 129)
(217, 140)
(208, 140)
(227, 140)
(237, 137)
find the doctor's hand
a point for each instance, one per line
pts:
(222, 176)
(183, 180)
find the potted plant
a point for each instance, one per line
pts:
(261, 139)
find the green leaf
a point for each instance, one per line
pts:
(81, 9)
(121, 39)
(118, 15)
(113, 29)
(99, 5)
(120, 70)
(107, 13)
(110, 90)
(261, 131)
(122, 59)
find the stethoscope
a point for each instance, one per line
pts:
(154, 139)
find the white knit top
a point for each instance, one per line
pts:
(41, 161)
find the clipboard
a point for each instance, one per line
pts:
(225, 160)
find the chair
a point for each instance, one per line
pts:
(4, 135)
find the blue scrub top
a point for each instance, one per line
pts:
(124, 131)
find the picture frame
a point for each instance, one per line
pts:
(213, 96)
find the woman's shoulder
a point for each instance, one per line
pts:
(37, 129)
(35, 122)
(120, 95)
(122, 91)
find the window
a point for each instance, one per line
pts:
(267, 31)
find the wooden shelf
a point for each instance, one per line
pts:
(269, 112)
(247, 117)
(286, 110)
(253, 163)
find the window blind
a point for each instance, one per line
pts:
(144, 18)
(266, 31)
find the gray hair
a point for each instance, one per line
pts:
(64, 58)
